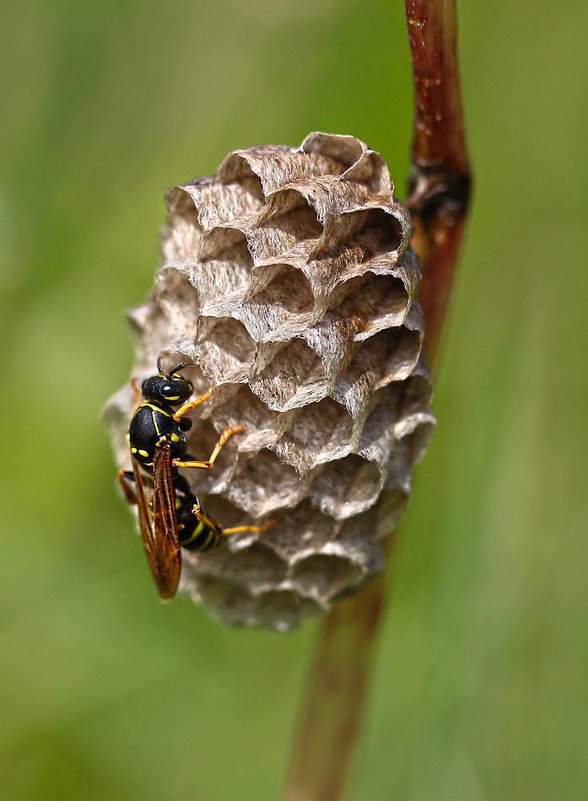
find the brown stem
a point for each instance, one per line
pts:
(440, 177)
(439, 185)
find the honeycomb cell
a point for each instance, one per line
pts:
(390, 355)
(229, 601)
(276, 236)
(276, 166)
(178, 301)
(415, 442)
(261, 484)
(182, 232)
(222, 280)
(379, 301)
(283, 610)
(346, 487)
(354, 161)
(203, 437)
(317, 433)
(257, 566)
(381, 232)
(344, 151)
(355, 536)
(295, 377)
(299, 532)
(235, 170)
(323, 576)
(224, 349)
(281, 308)
(243, 407)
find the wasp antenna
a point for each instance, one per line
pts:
(179, 366)
(159, 365)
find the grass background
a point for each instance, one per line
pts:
(480, 691)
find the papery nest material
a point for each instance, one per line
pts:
(288, 279)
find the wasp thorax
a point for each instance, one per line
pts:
(288, 279)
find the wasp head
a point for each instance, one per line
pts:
(169, 388)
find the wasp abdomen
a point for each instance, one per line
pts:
(196, 532)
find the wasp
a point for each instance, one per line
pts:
(170, 515)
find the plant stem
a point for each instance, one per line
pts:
(440, 176)
(439, 186)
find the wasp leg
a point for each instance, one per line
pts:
(124, 477)
(204, 518)
(193, 404)
(223, 439)
(251, 529)
(136, 392)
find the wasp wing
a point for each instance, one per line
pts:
(158, 524)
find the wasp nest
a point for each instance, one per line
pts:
(288, 280)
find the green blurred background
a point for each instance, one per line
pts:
(480, 688)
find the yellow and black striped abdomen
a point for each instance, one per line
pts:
(196, 531)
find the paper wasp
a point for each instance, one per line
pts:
(170, 515)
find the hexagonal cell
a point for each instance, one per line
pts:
(202, 438)
(377, 437)
(228, 601)
(262, 484)
(354, 388)
(225, 277)
(298, 532)
(322, 576)
(181, 233)
(391, 507)
(371, 169)
(216, 203)
(256, 567)
(295, 377)
(346, 487)
(380, 301)
(409, 396)
(415, 443)
(219, 202)
(356, 536)
(261, 424)
(236, 170)
(409, 450)
(283, 610)
(179, 302)
(342, 150)
(276, 236)
(380, 232)
(390, 355)
(276, 165)
(317, 433)
(225, 349)
(332, 338)
(282, 307)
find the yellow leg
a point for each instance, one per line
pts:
(193, 404)
(204, 518)
(252, 529)
(223, 439)
(197, 512)
(137, 394)
(124, 483)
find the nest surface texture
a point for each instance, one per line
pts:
(288, 280)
